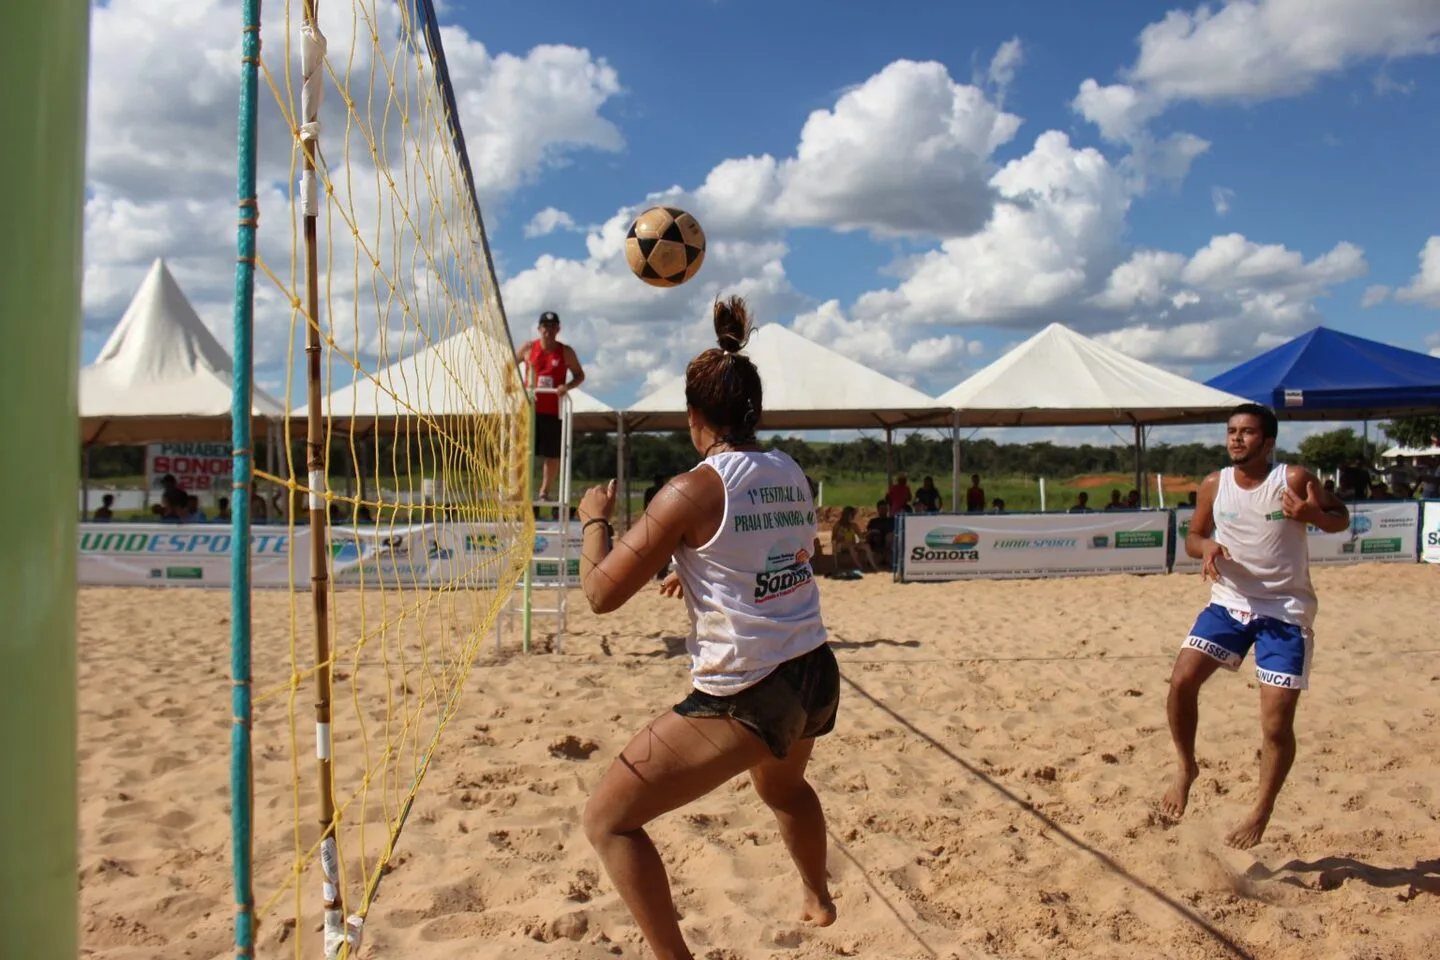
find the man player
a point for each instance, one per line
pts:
(548, 362)
(1249, 529)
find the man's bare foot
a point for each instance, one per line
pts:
(1250, 831)
(819, 909)
(1178, 796)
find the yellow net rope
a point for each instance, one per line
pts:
(401, 476)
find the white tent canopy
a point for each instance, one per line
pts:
(463, 375)
(807, 387)
(1060, 378)
(1411, 452)
(162, 375)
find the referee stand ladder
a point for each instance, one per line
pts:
(553, 535)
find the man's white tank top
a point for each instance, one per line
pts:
(752, 596)
(1268, 573)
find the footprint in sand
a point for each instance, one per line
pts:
(130, 747)
(467, 926)
(568, 926)
(583, 887)
(572, 747)
(166, 763)
(139, 809)
(105, 867)
(787, 938)
(403, 918)
(176, 820)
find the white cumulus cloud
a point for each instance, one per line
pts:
(1221, 198)
(1053, 248)
(914, 356)
(1245, 51)
(1424, 287)
(1062, 215)
(1251, 50)
(908, 152)
(1003, 66)
(1054, 251)
(1374, 295)
(905, 152)
(161, 159)
(547, 221)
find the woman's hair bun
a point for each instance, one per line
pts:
(732, 324)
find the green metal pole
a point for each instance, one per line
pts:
(242, 786)
(44, 53)
(527, 618)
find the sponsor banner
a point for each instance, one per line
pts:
(995, 546)
(1430, 531)
(462, 555)
(198, 555)
(186, 555)
(548, 550)
(1183, 562)
(1378, 531)
(201, 468)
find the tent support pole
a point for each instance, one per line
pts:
(1140, 463)
(955, 462)
(622, 475)
(889, 459)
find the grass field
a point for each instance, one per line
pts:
(862, 490)
(1019, 493)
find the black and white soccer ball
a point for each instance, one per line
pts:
(665, 246)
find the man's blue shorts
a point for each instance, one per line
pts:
(1282, 650)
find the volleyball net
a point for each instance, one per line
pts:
(402, 483)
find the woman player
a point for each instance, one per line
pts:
(740, 527)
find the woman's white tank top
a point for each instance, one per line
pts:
(751, 593)
(1268, 573)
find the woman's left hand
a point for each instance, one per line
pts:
(598, 502)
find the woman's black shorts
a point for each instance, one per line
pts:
(795, 702)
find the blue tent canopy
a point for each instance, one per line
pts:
(1325, 374)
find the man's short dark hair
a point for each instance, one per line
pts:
(1269, 426)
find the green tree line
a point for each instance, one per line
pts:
(918, 454)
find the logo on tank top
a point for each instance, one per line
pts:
(787, 569)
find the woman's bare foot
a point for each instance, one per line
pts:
(1250, 831)
(1178, 796)
(819, 909)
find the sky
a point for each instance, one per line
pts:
(1191, 184)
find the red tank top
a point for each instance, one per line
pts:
(547, 369)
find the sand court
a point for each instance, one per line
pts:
(990, 787)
